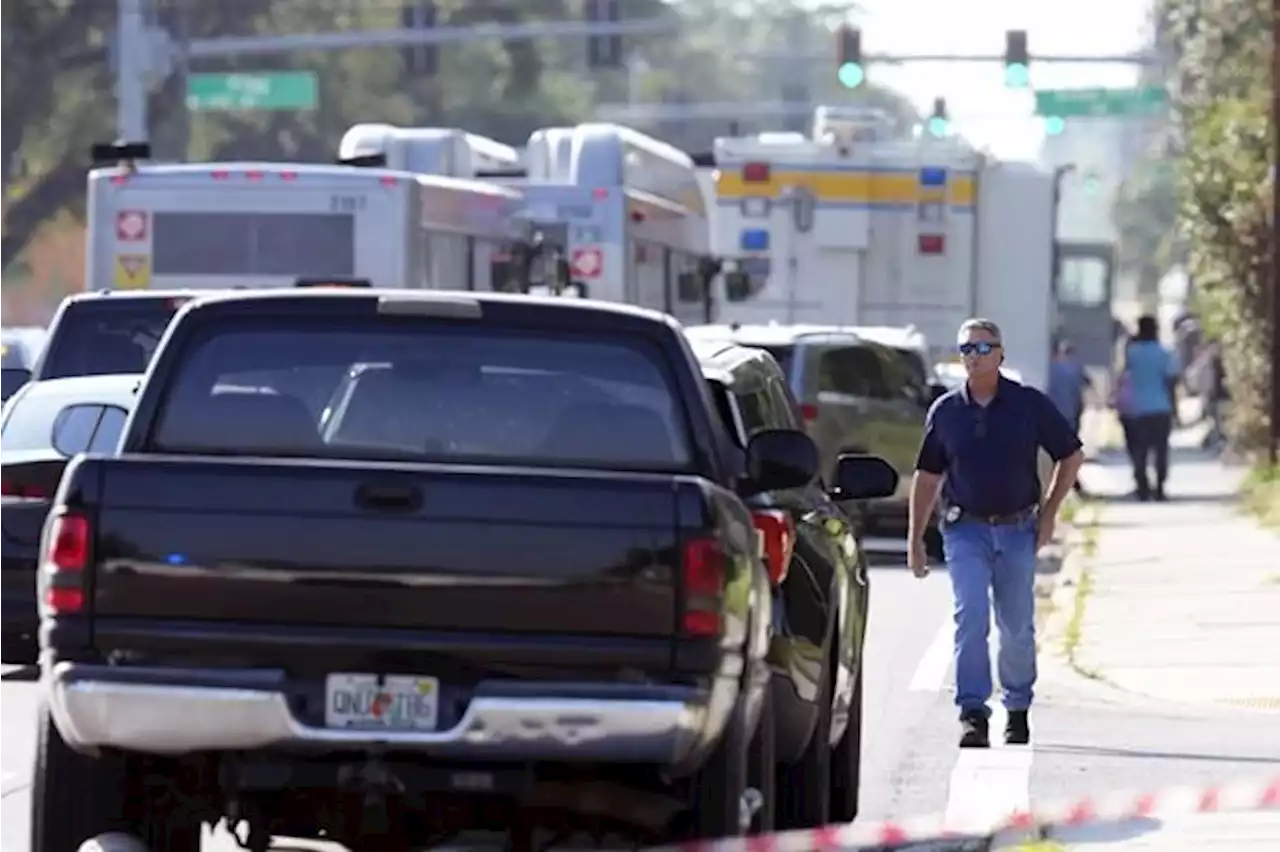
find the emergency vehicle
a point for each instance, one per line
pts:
(857, 226)
(219, 225)
(622, 212)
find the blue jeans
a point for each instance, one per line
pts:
(1002, 559)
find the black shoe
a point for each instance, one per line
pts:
(1159, 496)
(974, 731)
(1017, 731)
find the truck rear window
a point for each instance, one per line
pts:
(424, 390)
(292, 244)
(98, 338)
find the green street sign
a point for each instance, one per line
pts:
(1070, 103)
(249, 91)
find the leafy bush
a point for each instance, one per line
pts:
(1222, 86)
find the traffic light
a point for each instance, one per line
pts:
(849, 55)
(938, 121)
(1017, 62)
(419, 59)
(604, 51)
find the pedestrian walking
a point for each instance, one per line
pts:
(1149, 381)
(1215, 396)
(980, 454)
(1068, 381)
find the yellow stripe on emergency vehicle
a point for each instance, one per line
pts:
(847, 187)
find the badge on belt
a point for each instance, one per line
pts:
(953, 514)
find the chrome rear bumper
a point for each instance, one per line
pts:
(182, 711)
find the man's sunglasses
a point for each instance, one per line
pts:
(982, 347)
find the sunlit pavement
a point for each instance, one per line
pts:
(1249, 832)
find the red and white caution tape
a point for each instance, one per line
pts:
(933, 832)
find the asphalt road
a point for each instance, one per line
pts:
(1087, 740)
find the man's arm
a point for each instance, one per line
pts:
(924, 496)
(931, 465)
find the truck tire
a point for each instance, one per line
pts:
(74, 797)
(721, 782)
(804, 787)
(846, 761)
(762, 767)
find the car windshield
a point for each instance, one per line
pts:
(426, 391)
(101, 337)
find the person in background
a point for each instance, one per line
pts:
(1068, 381)
(980, 451)
(1151, 377)
(1215, 395)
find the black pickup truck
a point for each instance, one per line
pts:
(404, 564)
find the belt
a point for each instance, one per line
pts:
(958, 513)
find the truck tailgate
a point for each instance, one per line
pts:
(393, 546)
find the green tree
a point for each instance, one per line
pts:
(1224, 187)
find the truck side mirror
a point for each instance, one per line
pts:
(778, 459)
(863, 477)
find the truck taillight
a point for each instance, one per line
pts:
(809, 412)
(755, 173)
(65, 560)
(703, 570)
(777, 542)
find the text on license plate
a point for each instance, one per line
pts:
(399, 702)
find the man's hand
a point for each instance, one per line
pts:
(1044, 529)
(917, 558)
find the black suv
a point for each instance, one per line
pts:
(820, 602)
(856, 395)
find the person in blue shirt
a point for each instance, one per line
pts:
(1068, 381)
(980, 454)
(1151, 375)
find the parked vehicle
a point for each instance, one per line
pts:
(107, 333)
(820, 584)
(507, 571)
(855, 397)
(45, 424)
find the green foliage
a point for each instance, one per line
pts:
(58, 83)
(1224, 188)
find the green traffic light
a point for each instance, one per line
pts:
(938, 126)
(1017, 76)
(851, 75)
(1053, 125)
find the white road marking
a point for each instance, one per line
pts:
(989, 784)
(931, 671)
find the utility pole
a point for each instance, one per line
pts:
(131, 71)
(1273, 449)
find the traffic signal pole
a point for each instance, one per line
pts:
(147, 53)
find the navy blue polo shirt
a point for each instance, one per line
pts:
(990, 455)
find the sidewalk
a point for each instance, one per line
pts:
(1182, 599)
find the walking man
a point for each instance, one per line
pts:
(981, 450)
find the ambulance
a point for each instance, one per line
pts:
(620, 214)
(202, 226)
(854, 225)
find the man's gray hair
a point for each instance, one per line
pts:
(981, 324)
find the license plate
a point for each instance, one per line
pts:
(398, 703)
